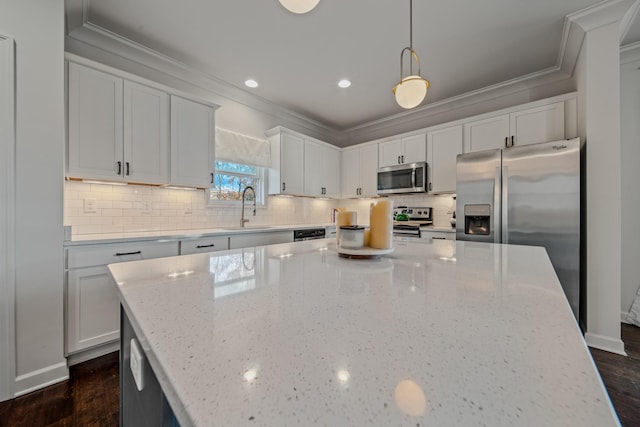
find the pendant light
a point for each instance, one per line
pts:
(299, 6)
(411, 90)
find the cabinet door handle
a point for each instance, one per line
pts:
(127, 253)
(506, 142)
(512, 140)
(430, 187)
(119, 171)
(284, 186)
(402, 158)
(127, 164)
(212, 177)
(205, 246)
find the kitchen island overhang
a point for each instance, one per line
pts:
(440, 333)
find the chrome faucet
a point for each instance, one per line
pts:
(244, 193)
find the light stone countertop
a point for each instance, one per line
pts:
(137, 236)
(439, 333)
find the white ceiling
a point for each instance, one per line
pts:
(464, 45)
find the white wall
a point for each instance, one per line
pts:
(7, 218)
(630, 175)
(599, 125)
(37, 27)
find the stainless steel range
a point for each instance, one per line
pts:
(408, 220)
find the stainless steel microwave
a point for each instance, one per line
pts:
(409, 178)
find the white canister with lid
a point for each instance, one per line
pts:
(351, 237)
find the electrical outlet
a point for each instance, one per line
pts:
(187, 208)
(146, 206)
(89, 205)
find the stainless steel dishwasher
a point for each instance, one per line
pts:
(308, 234)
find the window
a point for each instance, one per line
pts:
(230, 180)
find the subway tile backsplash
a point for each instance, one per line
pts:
(133, 208)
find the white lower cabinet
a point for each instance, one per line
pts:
(92, 305)
(93, 308)
(260, 239)
(206, 244)
(438, 235)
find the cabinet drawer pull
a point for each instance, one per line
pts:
(439, 238)
(127, 253)
(205, 246)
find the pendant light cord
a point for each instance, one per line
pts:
(411, 24)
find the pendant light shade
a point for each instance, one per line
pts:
(299, 6)
(412, 89)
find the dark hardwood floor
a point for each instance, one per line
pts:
(621, 376)
(91, 396)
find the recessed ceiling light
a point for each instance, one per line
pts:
(251, 83)
(344, 83)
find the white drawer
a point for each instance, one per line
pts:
(207, 244)
(102, 254)
(438, 235)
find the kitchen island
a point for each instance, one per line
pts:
(441, 333)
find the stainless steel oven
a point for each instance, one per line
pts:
(408, 221)
(409, 178)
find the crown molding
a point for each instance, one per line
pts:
(90, 36)
(630, 53)
(603, 13)
(102, 45)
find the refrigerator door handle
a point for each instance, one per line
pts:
(505, 204)
(496, 204)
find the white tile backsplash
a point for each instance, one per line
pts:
(119, 209)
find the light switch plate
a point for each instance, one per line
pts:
(136, 362)
(89, 205)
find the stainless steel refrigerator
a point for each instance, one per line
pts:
(527, 195)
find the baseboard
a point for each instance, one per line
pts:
(602, 342)
(92, 353)
(41, 378)
(623, 317)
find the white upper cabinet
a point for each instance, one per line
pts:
(539, 124)
(118, 130)
(321, 169)
(287, 160)
(443, 146)
(410, 149)
(528, 126)
(192, 143)
(359, 171)
(486, 134)
(146, 134)
(95, 124)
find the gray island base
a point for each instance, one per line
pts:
(435, 334)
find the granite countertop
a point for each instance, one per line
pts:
(88, 239)
(439, 333)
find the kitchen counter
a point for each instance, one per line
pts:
(87, 239)
(442, 333)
